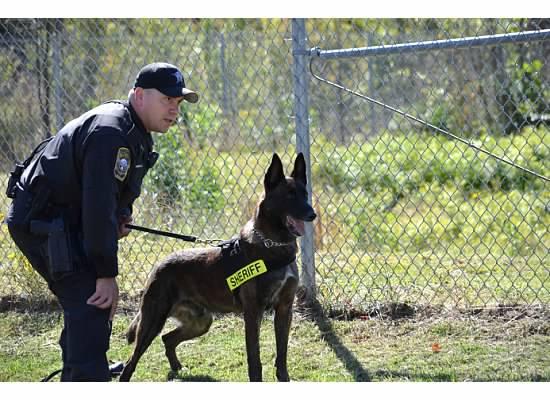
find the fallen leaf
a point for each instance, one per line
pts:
(436, 347)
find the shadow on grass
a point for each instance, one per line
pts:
(387, 375)
(181, 376)
(348, 359)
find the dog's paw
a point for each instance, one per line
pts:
(178, 374)
(283, 377)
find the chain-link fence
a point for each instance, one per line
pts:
(404, 214)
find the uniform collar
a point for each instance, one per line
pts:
(139, 124)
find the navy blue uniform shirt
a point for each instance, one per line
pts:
(95, 166)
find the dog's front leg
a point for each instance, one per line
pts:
(252, 319)
(283, 319)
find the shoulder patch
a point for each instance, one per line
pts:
(122, 163)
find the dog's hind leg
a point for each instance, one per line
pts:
(193, 321)
(131, 333)
(149, 326)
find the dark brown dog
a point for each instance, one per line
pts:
(190, 285)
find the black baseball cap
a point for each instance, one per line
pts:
(167, 79)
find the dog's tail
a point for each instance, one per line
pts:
(131, 334)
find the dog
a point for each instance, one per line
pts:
(250, 274)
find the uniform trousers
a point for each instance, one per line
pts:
(86, 330)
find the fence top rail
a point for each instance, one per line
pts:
(517, 37)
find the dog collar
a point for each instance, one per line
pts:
(268, 242)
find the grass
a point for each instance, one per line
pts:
(409, 219)
(509, 346)
(428, 278)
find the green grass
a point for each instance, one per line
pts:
(478, 348)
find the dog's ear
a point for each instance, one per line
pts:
(299, 172)
(274, 174)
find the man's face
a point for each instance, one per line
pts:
(158, 112)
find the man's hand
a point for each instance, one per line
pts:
(122, 221)
(106, 295)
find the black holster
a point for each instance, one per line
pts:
(15, 175)
(19, 168)
(58, 246)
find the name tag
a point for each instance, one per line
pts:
(244, 274)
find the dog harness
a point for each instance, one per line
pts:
(239, 268)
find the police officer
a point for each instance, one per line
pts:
(73, 199)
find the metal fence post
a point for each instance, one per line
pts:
(301, 104)
(57, 68)
(225, 78)
(370, 80)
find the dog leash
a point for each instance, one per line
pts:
(267, 242)
(187, 238)
(115, 369)
(50, 376)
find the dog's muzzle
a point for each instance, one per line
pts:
(297, 226)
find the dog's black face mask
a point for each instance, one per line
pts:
(288, 196)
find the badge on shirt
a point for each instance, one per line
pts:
(122, 163)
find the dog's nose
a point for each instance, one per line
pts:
(311, 216)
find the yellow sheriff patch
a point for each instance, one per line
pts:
(122, 163)
(252, 270)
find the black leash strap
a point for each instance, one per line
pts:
(162, 233)
(50, 376)
(114, 368)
